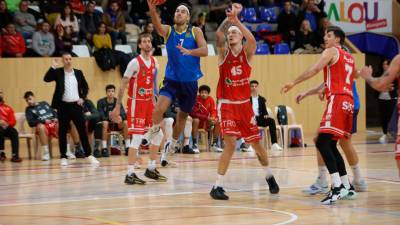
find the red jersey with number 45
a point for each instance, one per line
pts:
(338, 76)
(234, 76)
(141, 85)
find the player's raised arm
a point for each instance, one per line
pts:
(161, 29)
(220, 38)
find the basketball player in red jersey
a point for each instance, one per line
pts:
(140, 76)
(339, 72)
(382, 84)
(233, 93)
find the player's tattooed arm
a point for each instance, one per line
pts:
(223, 28)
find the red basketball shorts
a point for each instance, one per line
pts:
(139, 116)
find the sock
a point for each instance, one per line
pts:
(104, 144)
(186, 141)
(194, 141)
(268, 172)
(322, 171)
(152, 165)
(127, 142)
(173, 143)
(336, 181)
(45, 148)
(68, 148)
(356, 173)
(220, 181)
(345, 181)
(155, 127)
(131, 169)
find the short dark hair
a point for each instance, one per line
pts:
(144, 35)
(254, 82)
(110, 86)
(338, 32)
(63, 53)
(28, 94)
(204, 88)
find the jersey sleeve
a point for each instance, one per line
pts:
(132, 69)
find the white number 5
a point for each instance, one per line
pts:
(349, 70)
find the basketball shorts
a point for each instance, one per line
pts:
(338, 117)
(238, 120)
(184, 92)
(51, 129)
(139, 116)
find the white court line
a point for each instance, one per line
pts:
(293, 217)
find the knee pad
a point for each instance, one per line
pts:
(157, 139)
(135, 141)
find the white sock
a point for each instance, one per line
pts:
(127, 142)
(220, 181)
(336, 181)
(155, 127)
(104, 144)
(131, 169)
(68, 148)
(356, 173)
(45, 148)
(268, 172)
(186, 142)
(152, 165)
(345, 181)
(173, 143)
(322, 171)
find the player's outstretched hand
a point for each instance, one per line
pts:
(183, 50)
(152, 4)
(300, 97)
(287, 87)
(366, 72)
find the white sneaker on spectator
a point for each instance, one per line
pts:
(383, 139)
(92, 160)
(276, 147)
(196, 150)
(70, 155)
(215, 148)
(64, 162)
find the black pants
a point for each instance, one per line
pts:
(330, 153)
(386, 108)
(66, 113)
(11, 133)
(268, 122)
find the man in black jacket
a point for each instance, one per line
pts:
(71, 89)
(261, 113)
(90, 21)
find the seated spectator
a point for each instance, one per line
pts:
(13, 5)
(261, 113)
(157, 40)
(204, 116)
(63, 40)
(93, 127)
(5, 15)
(51, 10)
(324, 23)
(7, 123)
(105, 106)
(90, 21)
(217, 10)
(43, 41)
(68, 19)
(102, 39)
(139, 12)
(201, 23)
(115, 21)
(13, 44)
(287, 23)
(24, 21)
(77, 7)
(305, 40)
(43, 118)
(312, 13)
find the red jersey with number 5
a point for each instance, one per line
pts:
(141, 85)
(338, 76)
(234, 77)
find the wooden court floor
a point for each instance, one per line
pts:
(36, 192)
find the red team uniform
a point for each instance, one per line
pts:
(140, 98)
(204, 109)
(235, 111)
(338, 78)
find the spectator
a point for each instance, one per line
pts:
(5, 15)
(90, 21)
(43, 119)
(93, 126)
(51, 10)
(24, 21)
(305, 40)
(105, 106)
(7, 123)
(13, 44)
(43, 41)
(139, 11)
(287, 22)
(63, 40)
(68, 19)
(157, 40)
(204, 116)
(77, 7)
(12, 5)
(102, 39)
(323, 26)
(217, 10)
(201, 23)
(115, 21)
(312, 13)
(261, 113)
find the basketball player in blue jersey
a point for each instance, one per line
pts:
(185, 45)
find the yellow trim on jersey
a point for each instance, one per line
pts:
(169, 33)
(182, 31)
(194, 36)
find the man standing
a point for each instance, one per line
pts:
(71, 89)
(7, 123)
(44, 119)
(233, 94)
(185, 45)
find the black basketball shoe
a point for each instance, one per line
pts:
(133, 179)
(218, 193)
(273, 186)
